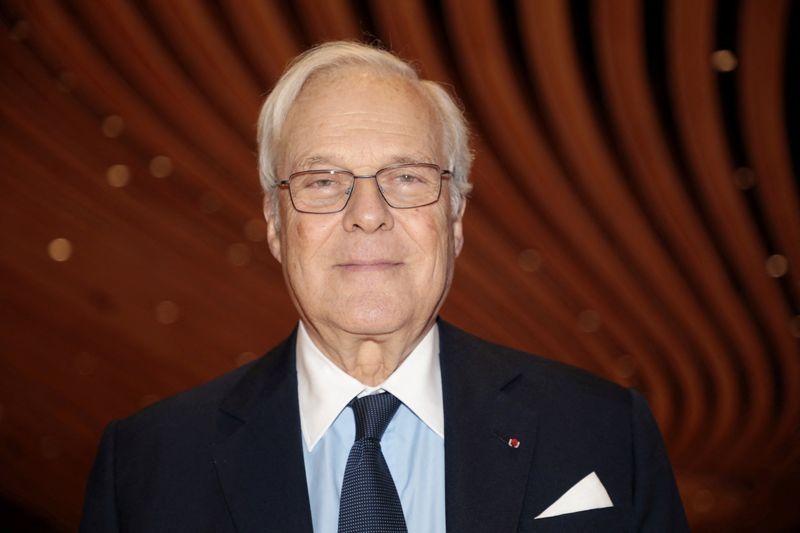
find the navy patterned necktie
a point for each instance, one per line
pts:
(369, 501)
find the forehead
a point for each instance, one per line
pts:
(356, 109)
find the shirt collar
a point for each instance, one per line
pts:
(324, 389)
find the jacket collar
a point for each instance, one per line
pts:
(259, 457)
(485, 475)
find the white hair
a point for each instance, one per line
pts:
(338, 54)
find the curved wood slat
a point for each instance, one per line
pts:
(621, 46)
(763, 34)
(405, 19)
(99, 84)
(690, 29)
(61, 129)
(330, 21)
(525, 148)
(212, 63)
(265, 33)
(506, 205)
(547, 24)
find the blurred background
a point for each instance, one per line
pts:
(635, 213)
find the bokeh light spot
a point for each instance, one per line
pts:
(776, 265)
(112, 126)
(239, 254)
(724, 61)
(744, 178)
(59, 249)
(161, 166)
(167, 312)
(118, 175)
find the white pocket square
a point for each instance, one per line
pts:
(586, 494)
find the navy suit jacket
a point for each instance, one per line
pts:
(227, 456)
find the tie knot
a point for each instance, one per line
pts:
(373, 413)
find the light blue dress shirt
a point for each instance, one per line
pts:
(413, 443)
(414, 454)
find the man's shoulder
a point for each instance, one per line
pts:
(188, 415)
(195, 409)
(547, 376)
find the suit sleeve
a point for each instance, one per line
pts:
(100, 507)
(656, 503)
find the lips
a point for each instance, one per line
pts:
(372, 265)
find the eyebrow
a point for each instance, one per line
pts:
(315, 160)
(329, 160)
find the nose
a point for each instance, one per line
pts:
(367, 210)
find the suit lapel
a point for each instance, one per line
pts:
(485, 477)
(259, 457)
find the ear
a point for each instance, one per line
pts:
(458, 228)
(272, 216)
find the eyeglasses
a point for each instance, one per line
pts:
(402, 186)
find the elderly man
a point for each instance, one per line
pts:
(373, 415)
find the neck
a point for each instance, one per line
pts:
(370, 359)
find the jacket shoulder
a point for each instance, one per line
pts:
(535, 371)
(194, 411)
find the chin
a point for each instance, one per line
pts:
(373, 320)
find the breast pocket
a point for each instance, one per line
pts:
(608, 520)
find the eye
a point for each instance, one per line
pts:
(320, 183)
(408, 178)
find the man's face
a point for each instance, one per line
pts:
(370, 269)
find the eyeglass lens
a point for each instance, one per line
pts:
(327, 191)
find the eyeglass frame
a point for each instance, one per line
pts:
(443, 175)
